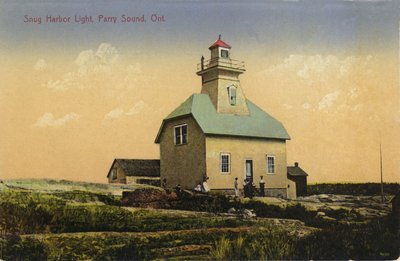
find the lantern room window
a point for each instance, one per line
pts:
(224, 53)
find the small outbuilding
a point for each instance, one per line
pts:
(298, 176)
(134, 171)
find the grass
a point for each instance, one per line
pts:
(36, 214)
(121, 246)
(50, 185)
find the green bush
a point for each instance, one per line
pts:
(375, 240)
(26, 212)
(204, 202)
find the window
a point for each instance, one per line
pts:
(180, 134)
(224, 54)
(232, 94)
(270, 164)
(225, 163)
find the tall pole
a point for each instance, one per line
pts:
(380, 154)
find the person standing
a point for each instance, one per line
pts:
(262, 187)
(251, 188)
(236, 185)
(246, 188)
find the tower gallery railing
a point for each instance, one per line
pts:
(223, 62)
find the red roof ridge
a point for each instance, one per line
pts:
(219, 43)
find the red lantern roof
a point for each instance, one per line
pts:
(219, 43)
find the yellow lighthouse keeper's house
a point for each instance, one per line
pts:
(221, 135)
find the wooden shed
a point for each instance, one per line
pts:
(299, 176)
(132, 171)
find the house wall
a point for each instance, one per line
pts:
(121, 177)
(217, 89)
(247, 148)
(182, 164)
(134, 179)
(224, 105)
(292, 190)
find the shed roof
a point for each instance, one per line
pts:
(296, 171)
(138, 167)
(257, 124)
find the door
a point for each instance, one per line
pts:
(249, 169)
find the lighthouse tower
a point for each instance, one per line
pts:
(220, 80)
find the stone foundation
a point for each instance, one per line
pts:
(276, 192)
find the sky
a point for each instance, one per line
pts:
(74, 96)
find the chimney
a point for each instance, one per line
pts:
(296, 164)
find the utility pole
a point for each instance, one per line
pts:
(380, 154)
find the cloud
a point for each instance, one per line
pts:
(317, 68)
(306, 106)
(328, 100)
(114, 114)
(48, 120)
(69, 80)
(102, 60)
(325, 82)
(287, 106)
(138, 107)
(40, 65)
(98, 66)
(119, 112)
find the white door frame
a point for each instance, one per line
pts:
(252, 167)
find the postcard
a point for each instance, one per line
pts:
(192, 130)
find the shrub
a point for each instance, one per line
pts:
(358, 189)
(375, 240)
(204, 202)
(26, 212)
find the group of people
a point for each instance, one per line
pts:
(249, 188)
(202, 186)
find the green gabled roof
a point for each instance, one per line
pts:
(257, 124)
(184, 109)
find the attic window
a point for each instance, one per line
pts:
(224, 53)
(232, 94)
(180, 134)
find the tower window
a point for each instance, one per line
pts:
(180, 133)
(224, 53)
(232, 94)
